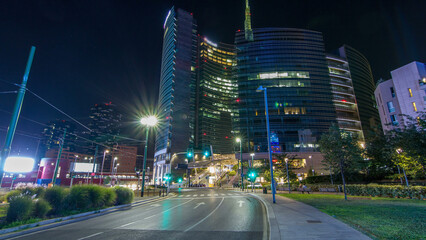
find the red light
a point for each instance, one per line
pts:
(343, 100)
(205, 95)
(239, 30)
(226, 137)
(274, 160)
(238, 100)
(205, 134)
(167, 117)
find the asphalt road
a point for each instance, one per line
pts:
(193, 214)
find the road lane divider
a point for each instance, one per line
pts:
(198, 204)
(96, 234)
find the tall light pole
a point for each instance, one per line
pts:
(113, 170)
(251, 167)
(241, 161)
(312, 165)
(260, 89)
(288, 178)
(73, 170)
(150, 121)
(102, 169)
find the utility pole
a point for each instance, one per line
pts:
(15, 115)
(144, 161)
(59, 158)
(94, 162)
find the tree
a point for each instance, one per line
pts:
(341, 151)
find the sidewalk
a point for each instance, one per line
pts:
(290, 219)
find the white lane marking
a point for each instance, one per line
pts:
(214, 210)
(202, 195)
(180, 195)
(90, 236)
(195, 195)
(155, 205)
(229, 194)
(241, 203)
(169, 209)
(216, 194)
(209, 194)
(125, 225)
(198, 204)
(222, 194)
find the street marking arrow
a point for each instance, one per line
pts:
(198, 204)
(241, 203)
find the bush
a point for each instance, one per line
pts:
(20, 208)
(13, 194)
(394, 191)
(232, 173)
(109, 196)
(55, 197)
(41, 208)
(124, 195)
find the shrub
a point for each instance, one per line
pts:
(109, 196)
(55, 197)
(13, 194)
(394, 191)
(232, 173)
(124, 195)
(78, 198)
(41, 208)
(20, 208)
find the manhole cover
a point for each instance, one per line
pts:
(313, 221)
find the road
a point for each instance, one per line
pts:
(193, 214)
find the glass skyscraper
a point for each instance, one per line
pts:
(177, 87)
(291, 63)
(216, 96)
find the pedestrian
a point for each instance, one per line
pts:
(305, 188)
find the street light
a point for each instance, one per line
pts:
(312, 165)
(288, 178)
(260, 89)
(149, 121)
(250, 170)
(73, 171)
(241, 161)
(102, 169)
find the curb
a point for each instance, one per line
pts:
(274, 229)
(55, 222)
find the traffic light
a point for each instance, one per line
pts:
(179, 180)
(206, 153)
(189, 153)
(167, 177)
(252, 175)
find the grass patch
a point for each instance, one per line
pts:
(380, 218)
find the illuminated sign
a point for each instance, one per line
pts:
(18, 164)
(83, 167)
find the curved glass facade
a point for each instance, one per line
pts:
(343, 95)
(291, 63)
(216, 96)
(363, 82)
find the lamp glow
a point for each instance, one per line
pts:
(149, 121)
(238, 140)
(19, 164)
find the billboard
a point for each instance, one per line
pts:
(18, 164)
(83, 167)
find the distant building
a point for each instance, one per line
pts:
(404, 94)
(105, 123)
(52, 136)
(363, 83)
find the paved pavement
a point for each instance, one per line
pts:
(192, 214)
(290, 219)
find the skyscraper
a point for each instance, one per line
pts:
(177, 89)
(363, 83)
(216, 96)
(344, 98)
(105, 123)
(291, 63)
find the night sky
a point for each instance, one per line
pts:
(110, 51)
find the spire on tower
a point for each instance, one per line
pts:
(247, 23)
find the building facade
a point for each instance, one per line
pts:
(363, 83)
(291, 64)
(177, 89)
(105, 123)
(216, 96)
(403, 94)
(344, 98)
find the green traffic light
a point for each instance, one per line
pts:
(180, 180)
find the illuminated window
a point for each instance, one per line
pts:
(391, 107)
(394, 120)
(414, 107)
(410, 92)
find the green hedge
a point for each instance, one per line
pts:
(20, 208)
(393, 191)
(124, 195)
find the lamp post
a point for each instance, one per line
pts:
(241, 161)
(312, 165)
(113, 171)
(260, 89)
(102, 169)
(150, 121)
(288, 178)
(399, 151)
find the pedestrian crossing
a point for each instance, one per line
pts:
(210, 195)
